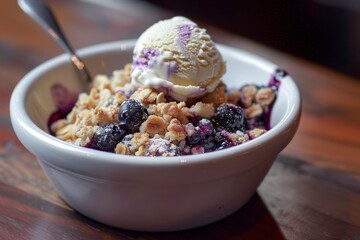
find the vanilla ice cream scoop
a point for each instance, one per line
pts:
(177, 57)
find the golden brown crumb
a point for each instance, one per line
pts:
(127, 72)
(122, 149)
(153, 125)
(119, 98)
(256, 132)
(136, 95)
(170, 109)
(65, 133)
(106, 115)
(148, 96)
(154, 109)
(145, 96)
(120, 78)
(253, 111)
(205, 110)
(233, 97)
(265, 96)
(217, 97)
(140, 151)
(101, 82)
(248, 95)
(138, 142)
(167, 118)
(160, 98)
(140, 139)
(58, 125)
(185, 115)
(238, 137)
(71, 117)
(176, 131)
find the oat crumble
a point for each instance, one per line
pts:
(218, 120)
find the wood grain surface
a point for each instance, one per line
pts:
(311, 192)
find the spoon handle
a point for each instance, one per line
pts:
(42, 14)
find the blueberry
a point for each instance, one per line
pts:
(280, 73)
(206, 127)
(107, 137)
(221, 141)
(203, 130)
(207, 134)
(132, 114)
(230, 117)
(193, 139)
(209, 137)
(203, 135)
(208, 143)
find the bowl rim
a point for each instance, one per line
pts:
(20, 117)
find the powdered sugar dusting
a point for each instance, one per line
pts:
(161, 147)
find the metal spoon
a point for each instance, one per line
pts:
(42, 14)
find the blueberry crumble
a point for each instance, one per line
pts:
(117, 117)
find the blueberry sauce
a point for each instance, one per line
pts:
(64, 100)
(274, 82)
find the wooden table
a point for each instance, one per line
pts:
(311, 192)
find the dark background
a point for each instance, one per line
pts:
(324, 31)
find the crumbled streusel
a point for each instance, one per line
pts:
(166, 127)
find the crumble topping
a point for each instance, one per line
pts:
(218, 120)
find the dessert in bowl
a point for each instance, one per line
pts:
(170, 101)
(158, 193)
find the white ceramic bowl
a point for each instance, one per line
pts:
(143, 193)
